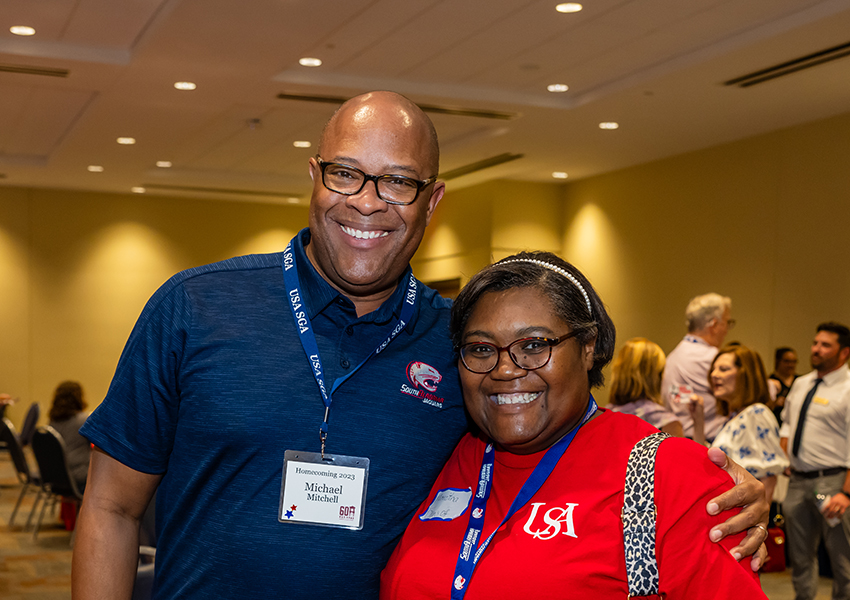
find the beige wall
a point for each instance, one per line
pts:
(764, 220)
(476, 225)
(77, 268)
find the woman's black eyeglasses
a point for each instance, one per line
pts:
(527, 353)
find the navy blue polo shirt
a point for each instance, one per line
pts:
(213, 387)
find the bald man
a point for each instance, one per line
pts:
(291, 408)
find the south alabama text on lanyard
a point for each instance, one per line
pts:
(470, 551)
(308, 339)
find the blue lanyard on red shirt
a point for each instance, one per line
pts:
(470, 552)
(308, 338)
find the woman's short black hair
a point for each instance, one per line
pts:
(568, 301)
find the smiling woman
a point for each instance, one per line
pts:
(751, 435)
(531, 502)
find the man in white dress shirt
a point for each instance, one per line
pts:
(709, 319)
(815, 434)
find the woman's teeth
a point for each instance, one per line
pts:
(363, 235)
(515, 398)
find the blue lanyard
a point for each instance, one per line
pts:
(308, 338)
(470, 553)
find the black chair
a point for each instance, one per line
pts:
(56, 480)
(30, 421)
(25, 475)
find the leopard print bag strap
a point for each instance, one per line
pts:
(638, 515)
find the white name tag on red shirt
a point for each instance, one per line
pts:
(329, 491)
(447, 505)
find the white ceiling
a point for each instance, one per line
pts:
(655, 66)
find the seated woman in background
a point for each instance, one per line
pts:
(66, 417)
(751, 435)
(529, 505)
(636, 385)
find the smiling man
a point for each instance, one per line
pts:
(294, 408)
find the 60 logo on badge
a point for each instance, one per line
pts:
(346, 513)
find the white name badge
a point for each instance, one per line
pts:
(329, 491)
(448, 504)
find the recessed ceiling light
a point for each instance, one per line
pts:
(302, 144)
(568, 7)
(559, 175)
(95, 168)
(163, 164)
(558, 87)
(126, 141)
(185, 85)
(22, 30)
(609, 125)
(137, 190)
(292, 200)
(310, 62)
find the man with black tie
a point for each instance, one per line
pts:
(816, 421)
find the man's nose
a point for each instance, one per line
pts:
(366, 201)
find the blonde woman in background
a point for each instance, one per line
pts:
(636, 385)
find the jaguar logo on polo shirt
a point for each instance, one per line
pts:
(423, 380)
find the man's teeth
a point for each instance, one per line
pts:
(364, 235)
(515, 398)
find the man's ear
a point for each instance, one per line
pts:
(313, 168)
(434, 200)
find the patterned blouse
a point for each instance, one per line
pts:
(752, 440)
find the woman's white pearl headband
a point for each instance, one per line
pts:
(552, 267)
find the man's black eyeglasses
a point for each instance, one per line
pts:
(392, 189)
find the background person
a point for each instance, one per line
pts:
(709, 320)
(67, 416)
(751, 435)
(784, 374)
(636, 385)
(815, 431)
(533, 338)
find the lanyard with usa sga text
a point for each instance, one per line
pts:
(470, 551)
(319, 488)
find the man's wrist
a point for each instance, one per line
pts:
(846, 494)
